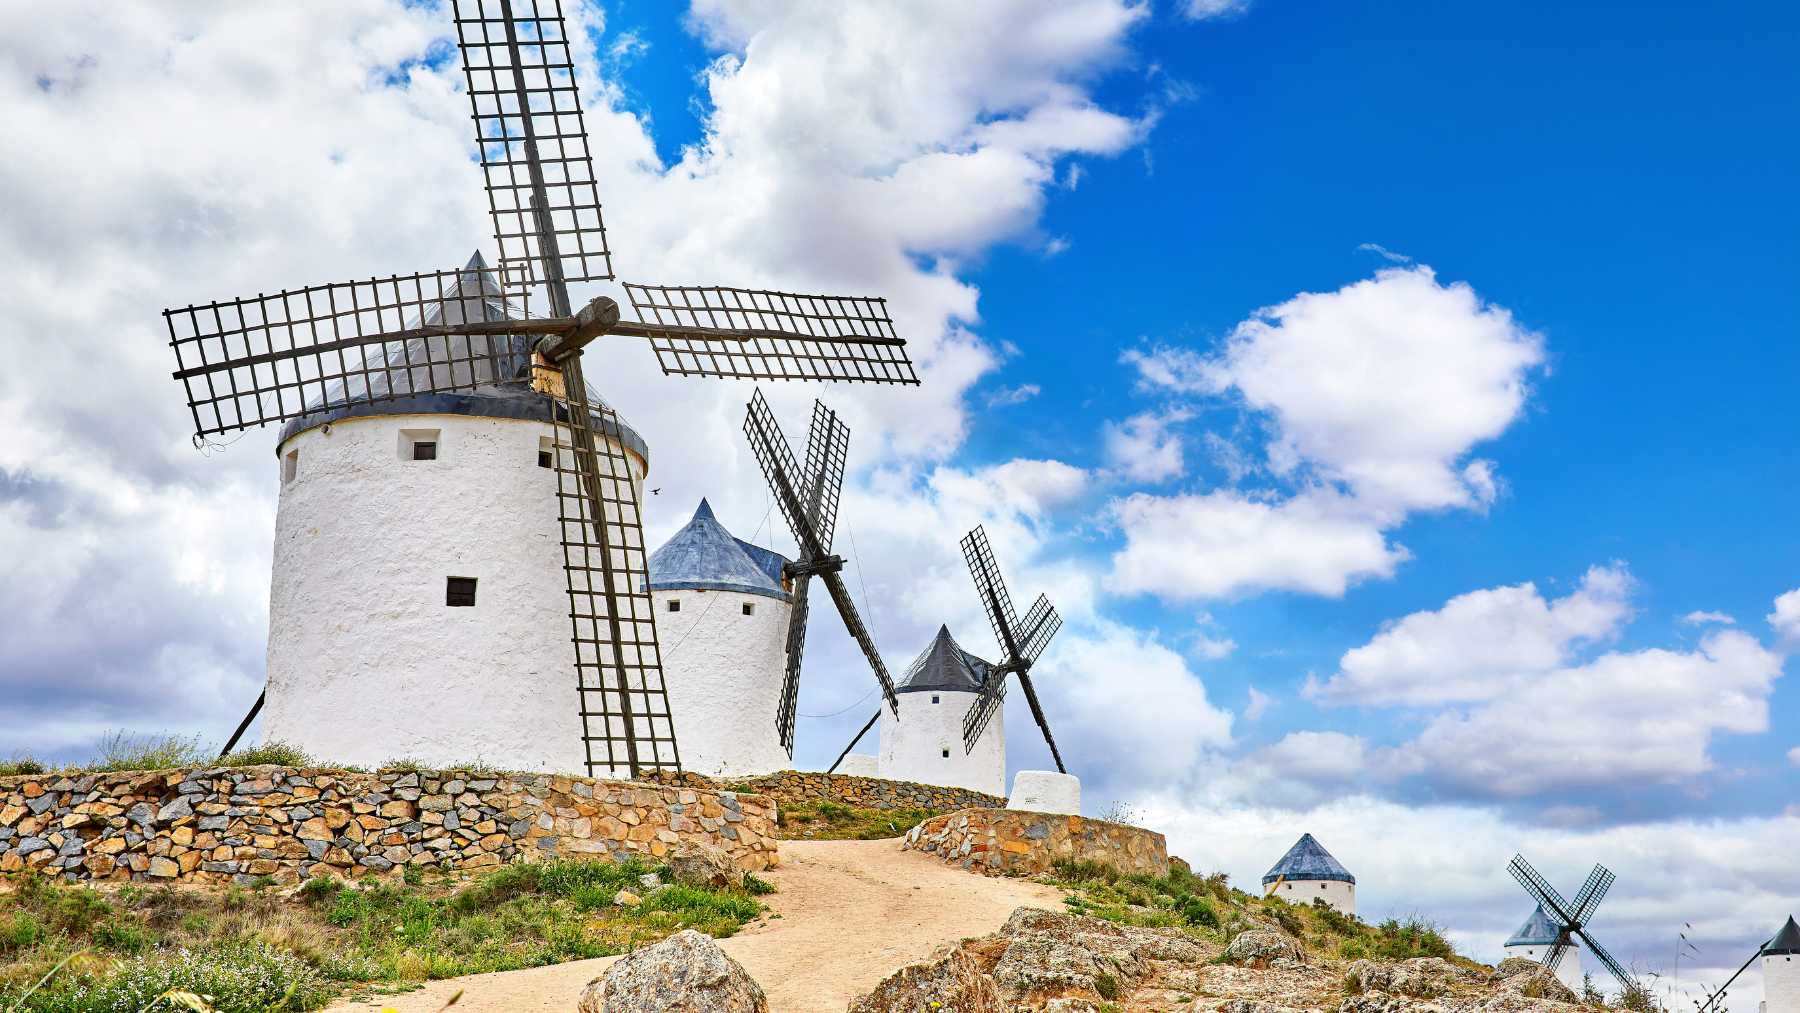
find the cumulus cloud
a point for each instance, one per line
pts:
(342, 149)
(1479, 644)
(1374, 397)
(1146, 447)
(1204, 10)
(1701, 618)
(1258, 704)
(1785, 620)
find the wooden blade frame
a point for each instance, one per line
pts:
(1042, 623)
(624, 705)
(760, 334)
(796, 647)
(1571, 917)
(532, 141)
(249, 362)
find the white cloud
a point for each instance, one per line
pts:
(1375, 395)
(343, 151)
(1699, 618)
(1258, 704)
(1386, 254)
(1213, 648)
(1793, 756)
(1661, 711)
(1203, 10)
(1480, 644)
(1146, 447)
(1222, 543)
(1006, 397)
(1785, 620)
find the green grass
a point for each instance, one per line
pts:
(1209, 908)
(20, 765)
(253, 950)
(833, 821)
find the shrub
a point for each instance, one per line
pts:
(280, 754)
(757, 887)
(1415, 937)
(20, 765)
(125, 751)
(243, 978)
(1195, 911)
(1121, 812)
(1106, 986)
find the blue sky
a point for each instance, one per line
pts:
(1525, 277)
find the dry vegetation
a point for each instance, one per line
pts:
(831, 821)
(254, 951)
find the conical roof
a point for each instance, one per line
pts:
(497, 387)
(1787, 941)
(945, 666)
(1538, 930)
(1308, 859)
(704, 556)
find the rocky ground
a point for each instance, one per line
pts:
(1050, 962)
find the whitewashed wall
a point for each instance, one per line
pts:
(1781, 983)
(366, 662)
(1335, 892)
(914, 747)
(724, 671)
(860, 765)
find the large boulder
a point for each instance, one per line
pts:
(951, 981)
(1420, 977)
(703, 865)
(685, 973)
(1261, 948)
(1053, 955)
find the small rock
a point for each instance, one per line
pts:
(685, 973)
(650, 881)
(1261, 948)
(625, 898)
(702, 865)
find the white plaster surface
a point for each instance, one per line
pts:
(1335, 892)
(1781, 983)
(860, 765)
(1046, 791)
(1568, 969)
(913, 747)
(724, 671)
(366, 663)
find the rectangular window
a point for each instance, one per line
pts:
(290, 466)
(674, 604)
(424, 450)
(946, 754)
(934, 698)
(459, 591)
(543, 458)
(419, 444)
(749, 609)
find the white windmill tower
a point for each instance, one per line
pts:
(1781, 970)
(722, 608)
(435, 592)
(1307, 873)
(925, 744)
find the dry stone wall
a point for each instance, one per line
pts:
(238, 824)
(793, 787)
(1015, 842)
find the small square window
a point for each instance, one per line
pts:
(674, 604)
(543, 458)
(424, 450)
(459, 591)
(749, 608)
(934, 698)
(290, 466)
(946, 754)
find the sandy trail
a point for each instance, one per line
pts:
(851, 913)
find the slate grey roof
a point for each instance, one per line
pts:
(945, 666)
(1308, 859)
(502, 389)
(1787, 941)
(704, 556)
(1538, 930)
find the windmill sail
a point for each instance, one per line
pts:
(1571, 919)
(1022, 644)
(762, 335)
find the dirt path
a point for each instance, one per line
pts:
(851, 913)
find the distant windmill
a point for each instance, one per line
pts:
(249, 362)
(1022, 643)
(1571, 919)
(809, 501)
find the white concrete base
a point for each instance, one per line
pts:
(1781, 983)
(860, 765)
(1046, 791)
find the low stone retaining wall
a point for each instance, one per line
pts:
(1014, 842)
(791, 787)
(238, 824)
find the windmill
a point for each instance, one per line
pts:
(1022, 643)
(809, 501)
(248, 362)
(1571, 919)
